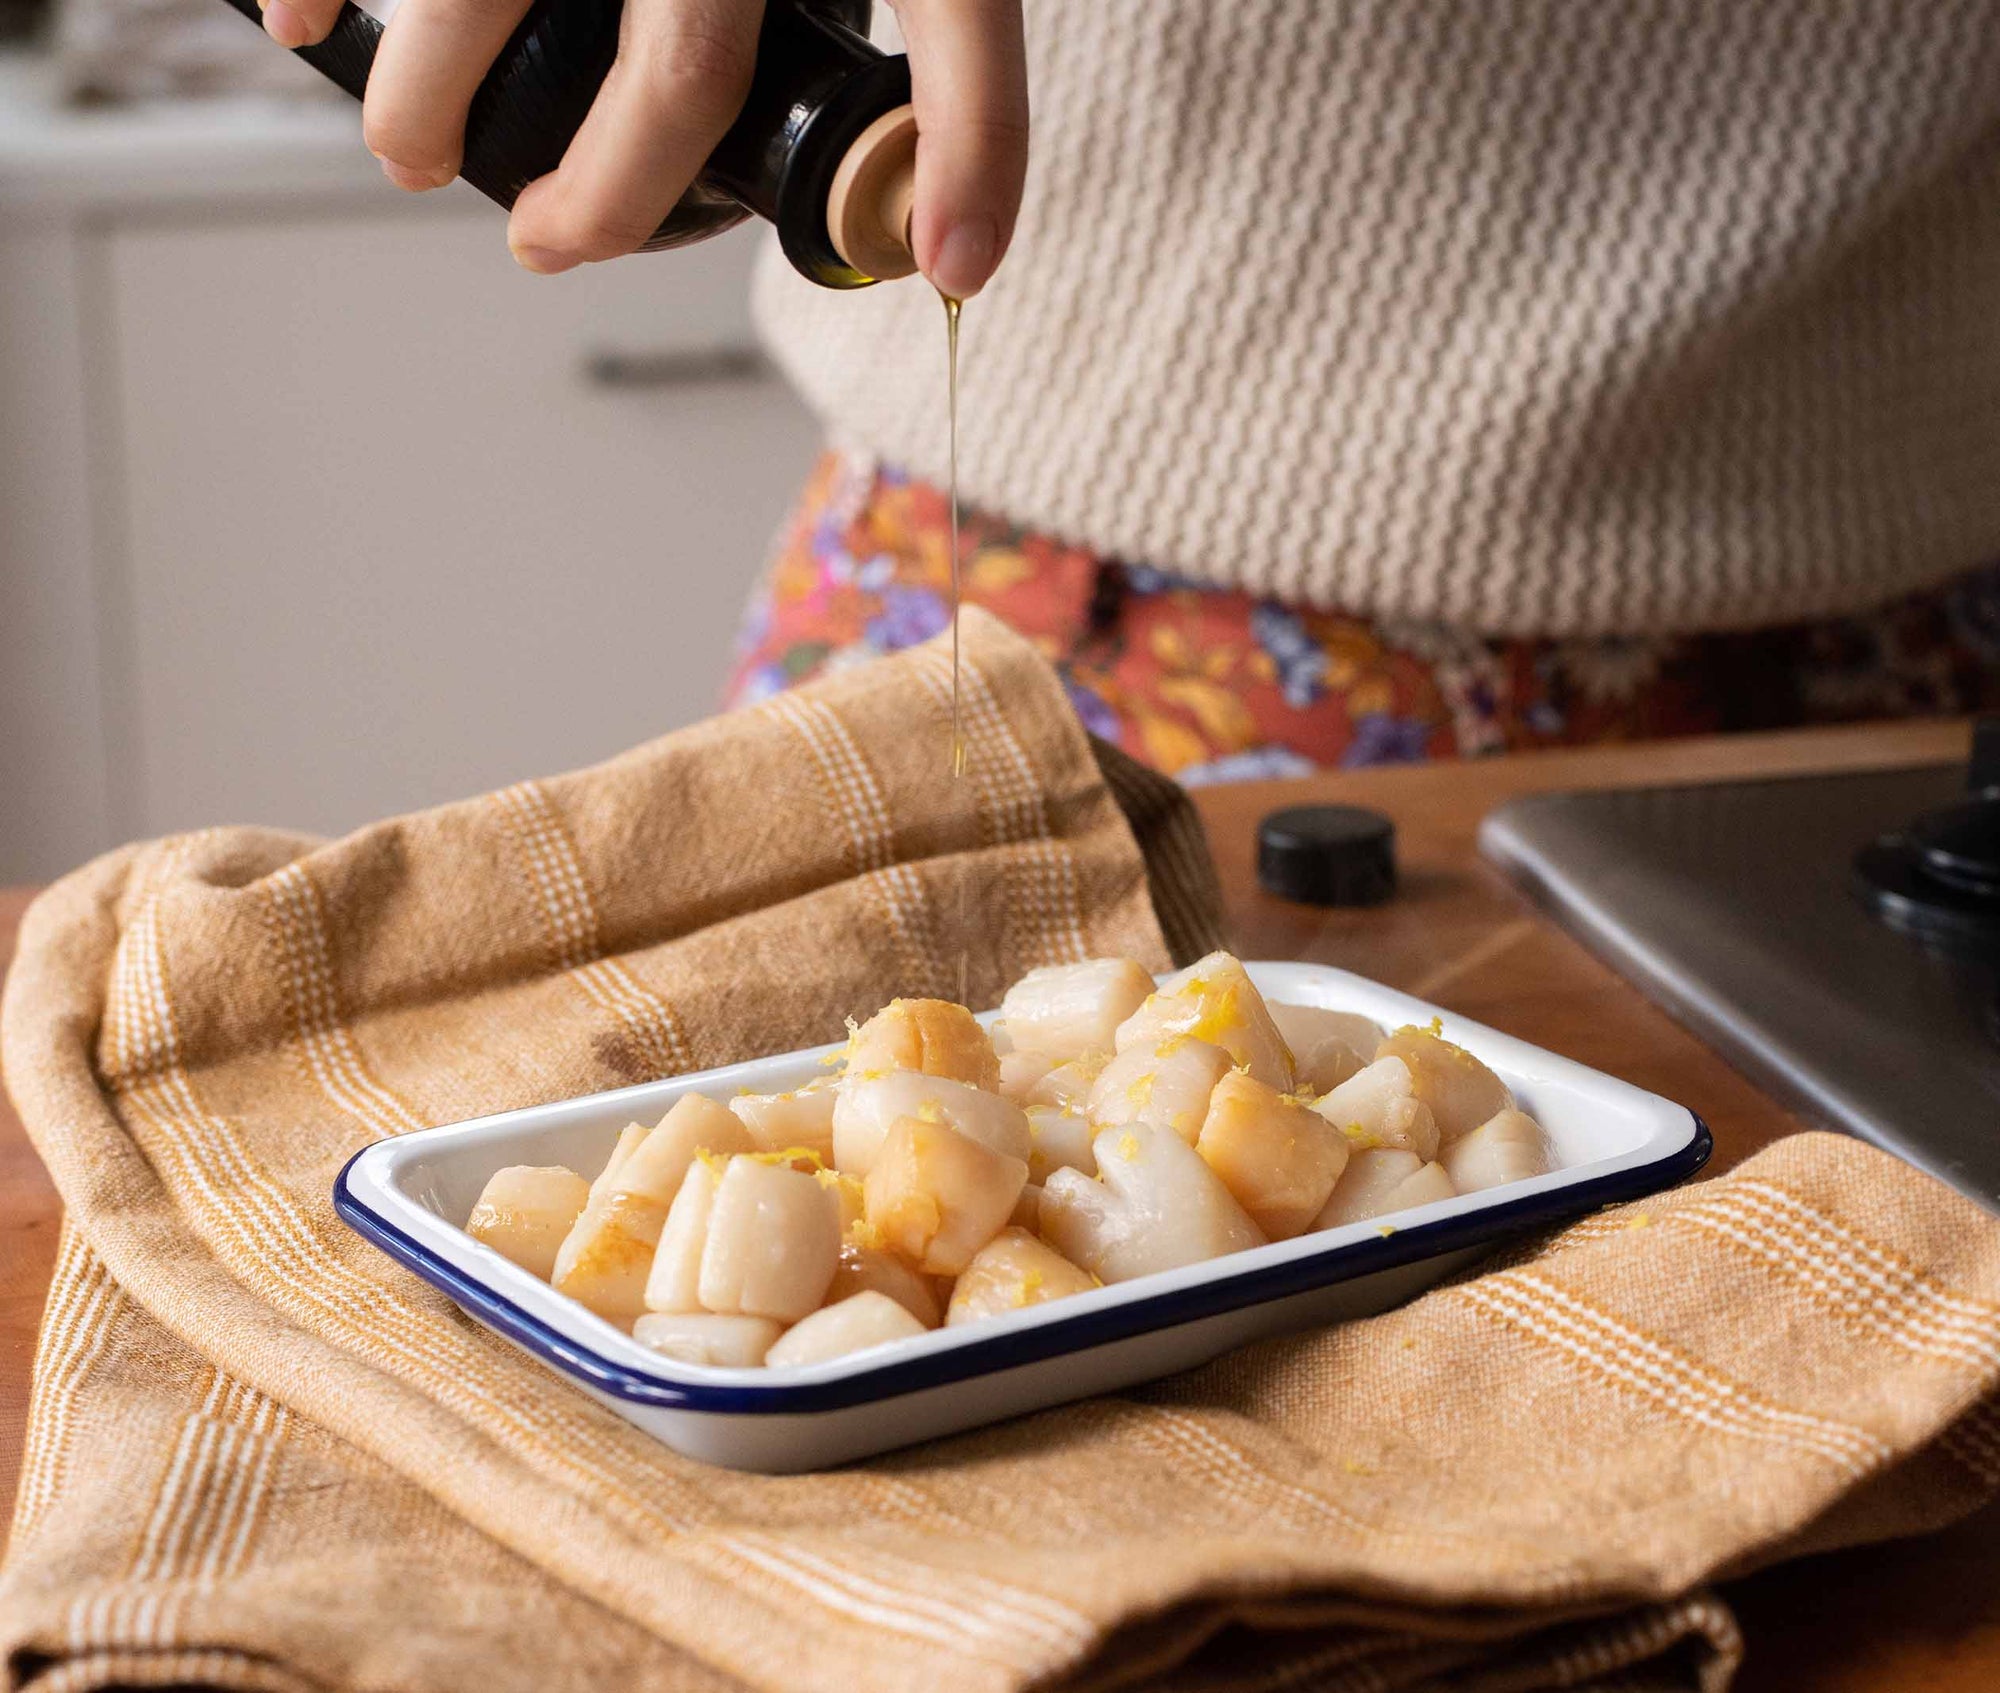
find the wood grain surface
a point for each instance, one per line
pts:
(1913, 1614)
(28, 1217)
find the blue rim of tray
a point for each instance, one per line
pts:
(1011, 1348)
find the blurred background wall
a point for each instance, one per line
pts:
(312, 506)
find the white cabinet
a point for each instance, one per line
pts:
(313, 507)
(387, 537)
(55, 768)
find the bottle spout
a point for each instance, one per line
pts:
(868, 204)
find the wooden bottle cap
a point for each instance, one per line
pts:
(868, 206)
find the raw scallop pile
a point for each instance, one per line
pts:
(1105, 1130)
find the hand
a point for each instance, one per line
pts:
(682, 70)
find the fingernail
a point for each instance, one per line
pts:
(403, 176)
(965, 258)
(285, 26)
(542, 261)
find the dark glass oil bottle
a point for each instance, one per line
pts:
(819, 84)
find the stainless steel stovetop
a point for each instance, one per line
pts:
(1739, 908)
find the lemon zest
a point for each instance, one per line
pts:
(1217, 1008)
(846, 1054)
(789, 1155)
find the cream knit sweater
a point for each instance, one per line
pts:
(1533, 316)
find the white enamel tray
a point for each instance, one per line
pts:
(410, 1196)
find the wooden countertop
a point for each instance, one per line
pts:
(1922, 1613)
(28, 1217)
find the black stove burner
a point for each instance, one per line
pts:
(1938, 879)
(1960, 845)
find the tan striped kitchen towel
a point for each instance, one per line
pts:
(262, 1456)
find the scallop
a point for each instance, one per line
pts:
(1027, 1212)
(1059, 1140)
(606, 1258)
(1215, 1001)
(1021, 1071)
(778, 1122)
(525, 1210)
(856, 1324)
(1154, 1206)
(1508, 1147)
(1066, 1010)
(847, 1196)
(1011, 1272)
(870, 1269)
(699, 1337)
(1327, 1046)
(937, 1196)
(1378, 1107)
(1380, 1181)
(1069, 1084)
(1461, 1092)
(870, 1105)
(772, 1242)
(932, 1036)
(1164, 1088)
(674, 1283)
(656, 1166)
(1279, 1159)
(628, 1138)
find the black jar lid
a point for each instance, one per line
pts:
(1327, 855)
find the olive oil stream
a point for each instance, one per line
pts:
(951, 311)
(952, 308)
